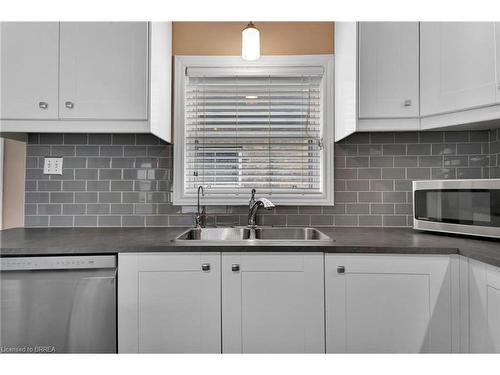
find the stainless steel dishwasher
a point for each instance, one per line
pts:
(62, 304)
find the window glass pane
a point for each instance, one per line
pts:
(262, 132)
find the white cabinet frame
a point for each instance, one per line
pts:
(230, 65)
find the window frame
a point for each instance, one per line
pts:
(231, 63)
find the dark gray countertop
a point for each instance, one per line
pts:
(62, 241)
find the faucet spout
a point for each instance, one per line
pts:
(261, 202)
(200, 218)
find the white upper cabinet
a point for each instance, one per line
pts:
(458, 66)
(93, 77)
(376, 77)
(391, 304)
(273, 303)
(104, 70)
(388, 69)
(169, 303)
(415, 76)
(346, 82)
(484, 294)
(29, 54)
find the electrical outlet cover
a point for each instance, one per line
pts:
(52, 165)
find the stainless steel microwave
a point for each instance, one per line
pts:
(470, 207)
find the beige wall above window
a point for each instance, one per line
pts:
(276, 38)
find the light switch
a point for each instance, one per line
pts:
(52, 165)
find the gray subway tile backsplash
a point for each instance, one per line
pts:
(104, 162)
(98, 185)
(75, 139)
(30, 209)
(458, 136)
(85, 221)
(125, 180)
(98, 209)
(110, 197)
(370, 221)
(61, 221)
(51, 138)
(86, 197)
(111, 151)
(381, 161)
(45, 185)
(99, 139)
(418, 149)
(60, 197)
(87, 150)
(78, 162)
(63, 151)
(74, 209)
(122, 209)
(109, 221)
(31, 221)
(495, 153)
(133, 221)
(48, 209)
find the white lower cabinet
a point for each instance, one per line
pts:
(273, 303)
(391, 304)
(253, 302)
(169, 303)
(484, 310)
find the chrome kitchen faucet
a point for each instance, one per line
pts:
(254, 206)
(200, 218)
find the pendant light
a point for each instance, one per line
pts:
(250, 43)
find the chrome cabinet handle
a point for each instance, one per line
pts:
(43, 105)
(205, 267)
(235, 267)
(407, 103)
(69, 105)
(340, 269)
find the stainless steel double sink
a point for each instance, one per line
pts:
(244, 235)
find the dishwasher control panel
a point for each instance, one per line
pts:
(58, 262)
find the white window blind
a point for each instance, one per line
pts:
(255, 129)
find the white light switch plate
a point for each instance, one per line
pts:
(52, 165)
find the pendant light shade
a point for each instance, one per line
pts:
(250, 43)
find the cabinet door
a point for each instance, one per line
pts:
(29, 70)
(484, 294)
(273, 303)
(104, 70)
(388, 69)
(457, 62)
(389, 304)
(168, 304)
